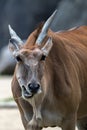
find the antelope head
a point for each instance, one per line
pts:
(30, 62)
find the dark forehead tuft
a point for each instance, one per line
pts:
(39, 27)
(33, 36)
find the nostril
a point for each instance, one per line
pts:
(37, 86)
(33, 87)
(24, 89)
(30, 86)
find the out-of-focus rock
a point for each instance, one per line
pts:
(70, 13)
(23, 16)
(7, 62)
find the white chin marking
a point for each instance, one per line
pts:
(27, 96)
(31, 95)
(39, 91)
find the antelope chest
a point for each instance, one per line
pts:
(45, 114)
(44, 117)
(51, 117)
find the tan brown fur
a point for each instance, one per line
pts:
(65, 78)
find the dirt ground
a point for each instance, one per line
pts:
(10, 118)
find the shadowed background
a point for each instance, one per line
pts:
(25, 15)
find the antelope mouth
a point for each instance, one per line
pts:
(28, 94)
(25, 93)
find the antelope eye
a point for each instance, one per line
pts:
(18, 58)
(43, 58)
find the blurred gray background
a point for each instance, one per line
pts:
(25, 15)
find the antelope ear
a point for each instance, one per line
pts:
(13, 47)
(14, 35)
(15, 43)
(47, 47)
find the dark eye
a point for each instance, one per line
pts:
(18, 58)
(43, 58)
